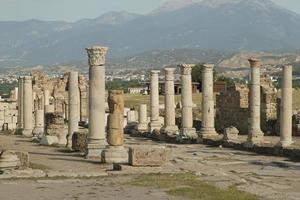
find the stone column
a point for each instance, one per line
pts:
(208, 106)
(96, 136)
(20, 105)
(187, 131)
(115, 152)
(46, 97)
(27, 106)
(39, 123)
(154, 101)
(255, 135)
(142, 126)
(73, 106)
(169, 126)
(286, 108)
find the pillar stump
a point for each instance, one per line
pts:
(115, 152)
(39, 123)
(255, 135)
(73, 106)
(27, 107)
(208, 106)
(96, 135)
(142, 126)
(154, 101)
(169, 120)
(187, 131)
(286, 107)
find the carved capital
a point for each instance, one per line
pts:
(208, 67)
(154, 72)
(186, 69)
(169, 74)
(254, 62)
(96, 55)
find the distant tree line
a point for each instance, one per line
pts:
(122, 85)
(6, 88)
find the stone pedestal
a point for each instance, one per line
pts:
(96, 136)
(169, 120)
(255, 135)
(187, 131)
(73, 107)
(154, 102)
(27, 107)
(208, 106)
(286, 107)
(142, 126)
(39, 123)
(115, 154)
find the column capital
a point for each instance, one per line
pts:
(254, 62)
(27, 78)
(208, 66)
(96, 55)
(155, 72)
(186, 69)
(169, 74)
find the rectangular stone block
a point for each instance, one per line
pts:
(141, 156)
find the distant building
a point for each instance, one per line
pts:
(138, 90)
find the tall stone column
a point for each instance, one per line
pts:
(27, 106)
(96, 136)
(154, 101)
(255, 135)
(286, 108)
(208, 106)
(142, 126)
(187, 131)
(20, 105)
(46, 97)
(169, 126)
(73, 106)
(39, 123)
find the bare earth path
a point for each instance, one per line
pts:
(267, 176)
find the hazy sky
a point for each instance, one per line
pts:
(72, 10)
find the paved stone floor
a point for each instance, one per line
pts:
(270, 177)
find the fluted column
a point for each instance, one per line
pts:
(286, 108)
(255, 135)
(20, 105)
(96, 136)
(208, 106)
(169, 126)
(154, 101)
(27, 106)
(187, 131)
(73, 106)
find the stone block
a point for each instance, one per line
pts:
(24, 159)
(140, 156)
(230, 133)
(79, 141)
(115, 154)
(48, 140)
(9, 160)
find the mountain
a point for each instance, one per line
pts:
(224, 25)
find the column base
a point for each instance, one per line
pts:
(142, 127)
(38, 131)
(27, 132)
(169, 130)
(285, 143)
(115, 154)
(254, 138)
(208, 133)
(154, 125)
(94, 149)
(188, 133)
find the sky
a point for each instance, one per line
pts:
(72, 10)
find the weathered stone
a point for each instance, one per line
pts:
(79, 141)
(148, 156)
(154, 101)
(115, 154)
(9, 160)
(49, 140)
(142, 126)
(27, 107)
(230, 133)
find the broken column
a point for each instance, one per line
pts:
(39, 123)
(27, 106)
(208, 106)
(96, 136)
(187, 131)
(20, 105)
(154, 101)
(115, 152)
(142, 126)
(73, 106)
(169, 126)
(286, 108)
(255, 135)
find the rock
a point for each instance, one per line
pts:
(48, 140)
(230, 133)
(140, 156)
(9, 160)
(79, 141)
